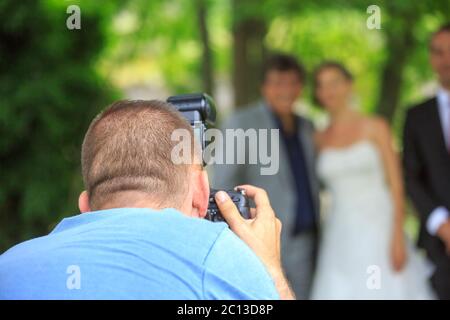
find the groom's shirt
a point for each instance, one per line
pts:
(135, 254)
(304, 209)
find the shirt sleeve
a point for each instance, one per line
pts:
(436, 218)
(233, 271)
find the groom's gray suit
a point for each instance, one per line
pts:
(298, 251)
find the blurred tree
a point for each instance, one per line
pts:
(249, 30)
(167, 35)
(404, 18)
(317, 30)
(207, 63)
(49, 91)
(400, 41)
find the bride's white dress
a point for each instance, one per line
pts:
(354, 254)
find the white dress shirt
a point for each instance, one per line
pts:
(440, 215)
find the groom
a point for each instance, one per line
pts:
(294, 189)
(427, 164)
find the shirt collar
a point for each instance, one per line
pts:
(443, 97)
(277, 120)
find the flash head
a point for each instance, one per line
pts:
(196, 107)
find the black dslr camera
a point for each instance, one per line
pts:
(199, 109)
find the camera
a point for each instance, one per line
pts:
(200, 111)
(239, 199)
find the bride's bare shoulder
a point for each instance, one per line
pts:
(376, 127)
(379, 124)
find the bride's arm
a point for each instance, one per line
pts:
(317, 138)
(393, 171)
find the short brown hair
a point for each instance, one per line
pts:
(128, 148)
(283, 63)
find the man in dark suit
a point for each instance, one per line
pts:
(427, 165)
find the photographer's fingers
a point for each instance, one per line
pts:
(229, 210)
(261, 199)
(279, 227)
(252, 213)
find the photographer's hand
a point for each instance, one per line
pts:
(261, 233)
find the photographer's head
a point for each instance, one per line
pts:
(126, 161)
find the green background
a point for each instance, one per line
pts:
(54, 80)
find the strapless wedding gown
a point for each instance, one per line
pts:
(354, 255)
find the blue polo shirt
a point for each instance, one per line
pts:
(132, 253)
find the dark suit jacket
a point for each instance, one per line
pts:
(427, 172)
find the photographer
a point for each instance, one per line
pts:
(141, 234)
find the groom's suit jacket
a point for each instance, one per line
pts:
(280, 187)
(426, 162)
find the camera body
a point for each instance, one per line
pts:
(199, 109)
(239, 199)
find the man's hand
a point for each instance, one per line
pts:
(444, 233)
(261, 233)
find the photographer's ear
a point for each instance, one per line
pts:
(200, 196)
(83, 202)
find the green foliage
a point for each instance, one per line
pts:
(54, 80)
(166, 34)
(315, 38)
(49, 91)
(312, 30)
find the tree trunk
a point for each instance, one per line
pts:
(392, 75)
(400, 43)
(207, 60)
(248, 56)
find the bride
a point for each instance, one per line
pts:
(363, 252)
